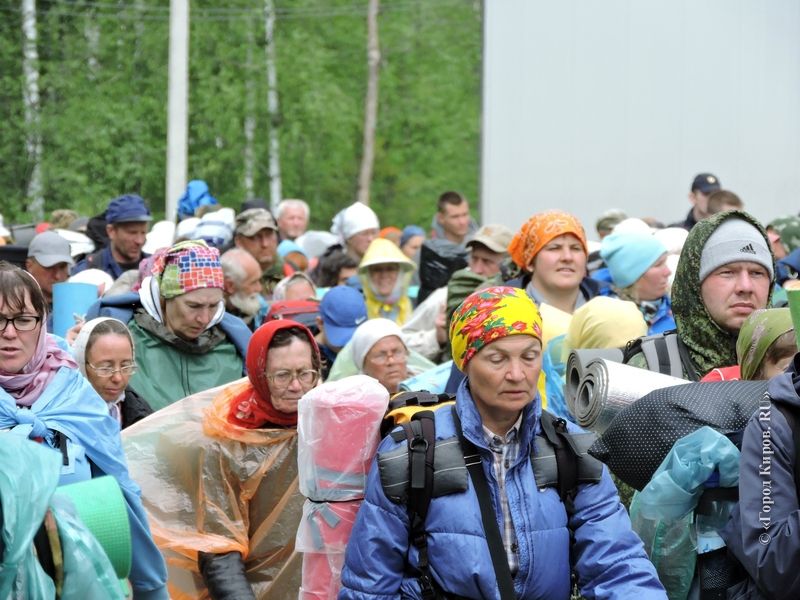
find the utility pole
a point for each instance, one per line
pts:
(275, 191)
(177, 106)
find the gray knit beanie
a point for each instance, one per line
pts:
(734, 240)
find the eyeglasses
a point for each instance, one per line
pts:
(21, 323)
(383, 357)
(282, 379)
(106, 372)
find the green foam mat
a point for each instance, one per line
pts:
(102, 508)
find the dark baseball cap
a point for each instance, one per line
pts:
(342, 310)
(129, 208)
(706, 183)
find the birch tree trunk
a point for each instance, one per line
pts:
(249, 117)
(91, 32)
(33, 142)
(371, 103)
(275, 192)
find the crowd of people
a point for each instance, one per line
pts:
(184, 378)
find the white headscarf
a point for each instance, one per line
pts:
(79, 346)
(355, 218)
(370, 333)
(79, 352)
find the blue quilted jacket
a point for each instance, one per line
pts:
(608, 556)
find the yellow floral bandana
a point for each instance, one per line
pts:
(488, 315)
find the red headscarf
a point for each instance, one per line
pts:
(253, 407)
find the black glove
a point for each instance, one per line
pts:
(224, 576)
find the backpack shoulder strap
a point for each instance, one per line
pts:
(664, 353)
(560, 458)
(494, 539)
(555, 432)
(420, 433)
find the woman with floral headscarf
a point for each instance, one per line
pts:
(227, 457)
(551, 250)
(185, 340)
(496, 340)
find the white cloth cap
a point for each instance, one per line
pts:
(354, 219)
(370, 333)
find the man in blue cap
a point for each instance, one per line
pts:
(126, 225)
(341, 311)
(703, 185)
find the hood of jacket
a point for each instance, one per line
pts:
(710, 346)
(784, 388)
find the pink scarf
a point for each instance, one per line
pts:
(27, 385)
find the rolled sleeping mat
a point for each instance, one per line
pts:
(102, 508)
(607, 387)
(642, 435)
(577, 362)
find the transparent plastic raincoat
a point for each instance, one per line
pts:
(211, 486)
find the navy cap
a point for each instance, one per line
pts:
(342, 310)
(706, 183)
(129, 208)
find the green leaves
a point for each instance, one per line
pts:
(103, 115)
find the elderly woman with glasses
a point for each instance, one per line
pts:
(378, 349)
(105, 355)
(221, 474)
(44, 398)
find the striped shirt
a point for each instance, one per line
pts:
(504, 452)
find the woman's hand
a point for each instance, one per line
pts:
(72, 332)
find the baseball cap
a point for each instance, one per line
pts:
(342, 310)
(495, 237)
(49, 248)
(253, 220)
(706, 183)
(129, 208)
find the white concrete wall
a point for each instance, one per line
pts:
(589, 105)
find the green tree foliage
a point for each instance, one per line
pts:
(104, 91)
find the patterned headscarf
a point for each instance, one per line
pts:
(539, 230)
(185, 267)
(488, 315)
(709, 345)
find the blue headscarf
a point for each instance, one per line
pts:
(409, 232)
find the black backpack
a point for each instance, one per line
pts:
(436, 468)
